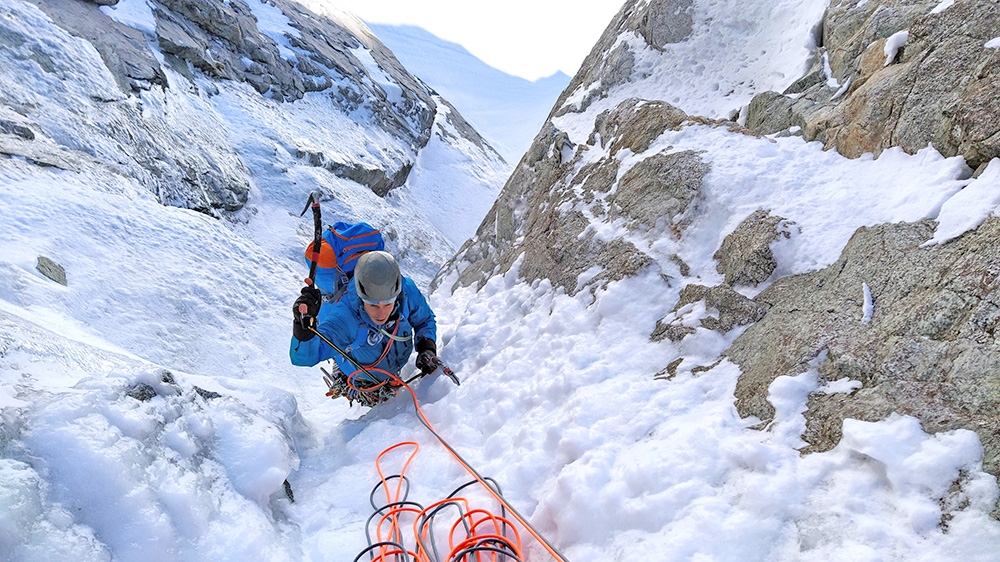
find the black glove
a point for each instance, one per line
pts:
(305, 309)
(427, 360)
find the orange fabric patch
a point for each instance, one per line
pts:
(327, 257)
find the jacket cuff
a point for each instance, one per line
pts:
(426, 344)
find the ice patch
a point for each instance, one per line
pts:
(868, 308)
(944, 5)
(392, 90)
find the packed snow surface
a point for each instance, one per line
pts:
(735, 49)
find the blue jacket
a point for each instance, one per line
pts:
(346, 324)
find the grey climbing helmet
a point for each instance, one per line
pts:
(377, 278)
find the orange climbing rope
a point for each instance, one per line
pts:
(475, 534)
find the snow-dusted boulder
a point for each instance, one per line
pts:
(745, 256)
(730, 309)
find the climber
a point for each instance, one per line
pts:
(376, 322)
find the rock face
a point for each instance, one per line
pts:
(544, 212)
(941, 87)
(143, 130)
(51, 269)
(930, 350)
(733, 309)
(745, 256)
(611, 63)
(930, 347)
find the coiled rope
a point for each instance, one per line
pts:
(473, 535)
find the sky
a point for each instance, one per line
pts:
(109, 450)
(531, 39)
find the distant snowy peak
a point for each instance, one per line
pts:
(506, 109)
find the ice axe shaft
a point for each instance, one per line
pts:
(317, 235)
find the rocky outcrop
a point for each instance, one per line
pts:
(745, 256)
(612, 63)
(545, 213)
(527, 219)
(124, 49)
(939, 85)
(930, 349)
(929, 346)
(729, 310)
(900, 74)
(62, 106)
(51, 269)
(223, 41)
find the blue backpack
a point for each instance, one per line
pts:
(342, 245)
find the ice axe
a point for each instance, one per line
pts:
(313, 201)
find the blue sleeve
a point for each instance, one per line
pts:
(421, 317)
(338, 326)
(307, 353)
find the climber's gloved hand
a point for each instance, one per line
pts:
(305, 310)
(427, 360)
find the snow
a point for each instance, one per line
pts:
(868, 308)
(893, 44)
(970, 206)
(273, 23)
(559, 401)
(993, 43)
(392, 90)
(842, 90)
(738, 48)
(431, 191)
(133, 13)
(800, 182)
(831, 81)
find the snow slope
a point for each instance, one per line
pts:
(559, 401)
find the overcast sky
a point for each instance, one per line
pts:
(527, 38)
